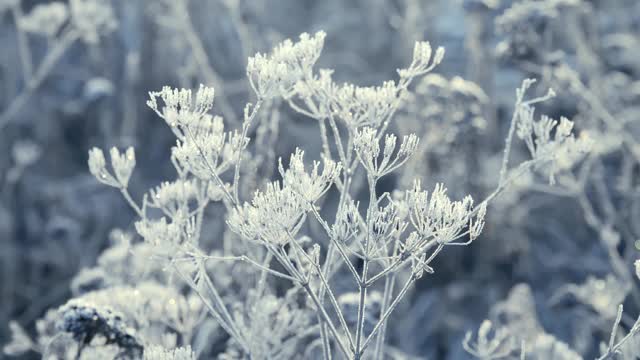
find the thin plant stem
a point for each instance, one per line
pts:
(245, 128)
(338, 246)
(388, 312)
(23, 43)
(327, 320)
(507, 144)
(254, 263)
(213, 172)
(45, 67)
(329, 292)
(202, 60)
(216, 315)
(125, 193)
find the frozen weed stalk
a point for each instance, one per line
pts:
(385, 243)
(61, 24)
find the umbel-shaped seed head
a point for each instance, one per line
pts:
(122, 164)
(276, 74)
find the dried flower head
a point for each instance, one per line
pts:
(360, 106)
(440, 218)
(273, 216)
(367, 147)
(180, 106)
(122, 164)
(422, 62)
(310, 186)
(276, 74)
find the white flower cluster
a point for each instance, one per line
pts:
(310, 186)
(203, 147)
(317, 96)
(273, 215)
(45, 19)
(156, 352)
(438, 217)
(208, 149)
(367, 148)
(602, 295)
(130, 318)
(394, 231)
(92, 18)
(272, 326)
(168, 236)
(550, 141)
(346, 225)
(276, 74)
(276, 214)
(180, 106)
(174, 196)
(423, 61)
(360, 106)
(122, 164)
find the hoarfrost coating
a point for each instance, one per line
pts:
(319, 180)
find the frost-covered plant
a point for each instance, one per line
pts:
(159, 353)
(390, 237)
(86, 323)
(235, 221)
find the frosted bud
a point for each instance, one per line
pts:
(310, 186)
(564, 128)
(97, 167)
(422, 62)
(367, 147)
(346, 225)
(421, 52)
(182, 108)
(123, 164)
(476, 226)
(368, 150)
